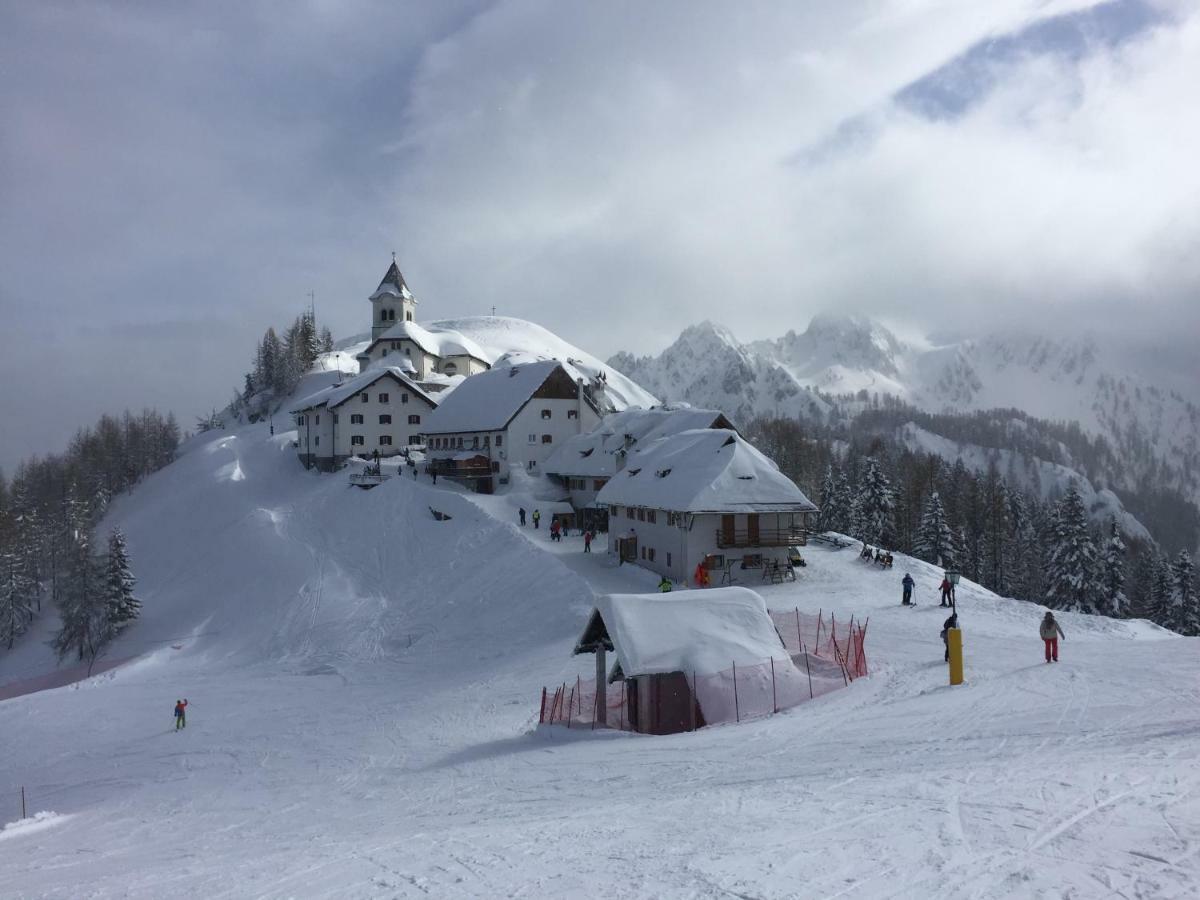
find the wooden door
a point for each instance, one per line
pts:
(752, 529)
(727, 532)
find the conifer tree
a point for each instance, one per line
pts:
(122, 606)
(1162, 591)
(876, 507)
(828, 500)
(1184, 615)
(83, 609)
(326, 340)
(935, 542)
(1113, 601)
(17, 592)
(1072, 557)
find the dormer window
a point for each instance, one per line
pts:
(545, 414)
(572, 414)
(633, 472)
(663, 473)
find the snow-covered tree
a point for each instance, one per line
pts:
(828, 500)
(1162, 591)
(1184, 611)
(18, 592)
(935, 542)
(876, 507)
(1112, 600)
(123, 607)
(82, 604)
(1072, 557)
(326, 340)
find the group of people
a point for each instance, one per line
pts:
(907, 584)
(877, 555)
(557, 529)
(1049, 630)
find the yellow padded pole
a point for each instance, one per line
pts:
(954, 639)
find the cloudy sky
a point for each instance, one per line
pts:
(175, 177)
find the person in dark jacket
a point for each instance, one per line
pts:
(908, 589)
(180, 714)
(947, 592)
(587, 541)
(951, 622)
(521, 513)
(1051, 631)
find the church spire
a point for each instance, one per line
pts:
(393, 282)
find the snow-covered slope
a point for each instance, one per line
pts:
(506, 340)
(363, 678)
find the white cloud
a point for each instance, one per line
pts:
(614, 171)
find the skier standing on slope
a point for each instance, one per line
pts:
(180, 714)
(951, 622)
(947, 591)
(521, 513)
(587, 542)
(908, 589)
(1051, 631)
(537, 518)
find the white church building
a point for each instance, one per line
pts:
(397, 340)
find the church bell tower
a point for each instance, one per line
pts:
(392, 302)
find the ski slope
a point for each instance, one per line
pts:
(363, 683)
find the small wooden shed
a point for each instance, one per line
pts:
(664, 642)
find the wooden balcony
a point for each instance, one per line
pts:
(728, 539)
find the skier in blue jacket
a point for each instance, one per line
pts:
(908, 589)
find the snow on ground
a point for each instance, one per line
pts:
(363, 683)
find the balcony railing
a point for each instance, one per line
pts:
(763, 537)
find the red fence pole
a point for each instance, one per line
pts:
(820, 622)
(799, 636)
(774, 698)
(570, 706)
(736, 713)
(808, 669)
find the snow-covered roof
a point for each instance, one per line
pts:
(489, 400)
(595, 453)
(701, 631)
(337, 394)
(703, 470)
(393, 284)
(440, 342)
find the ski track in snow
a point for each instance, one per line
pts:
(363, 684)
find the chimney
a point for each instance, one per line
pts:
(579, 395)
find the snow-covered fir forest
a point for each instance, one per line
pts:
(1050, 551)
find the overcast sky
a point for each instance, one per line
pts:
(175, 177)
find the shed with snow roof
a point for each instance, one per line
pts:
(664, 642)
(381, 411)
(707, 498)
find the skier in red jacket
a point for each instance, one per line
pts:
(180, 714)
